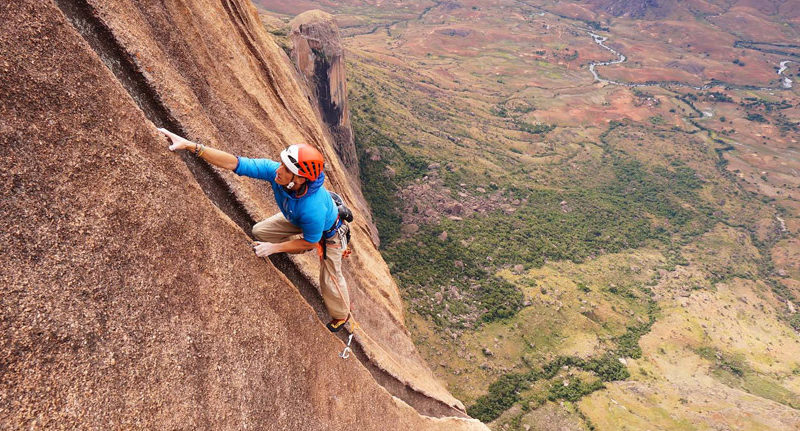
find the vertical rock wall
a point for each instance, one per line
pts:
(129, 296)
(318, 54)
(319, 57)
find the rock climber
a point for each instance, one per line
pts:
(306, 208)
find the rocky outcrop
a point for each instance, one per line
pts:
(130, 295)
(318, 54)
(319, 57)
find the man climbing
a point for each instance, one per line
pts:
(306, 208)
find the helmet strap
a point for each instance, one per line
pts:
(300, 191)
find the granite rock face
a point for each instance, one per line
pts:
(319, 57)
(318, 54)
(129, 296)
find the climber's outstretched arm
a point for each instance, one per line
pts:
(216, 157)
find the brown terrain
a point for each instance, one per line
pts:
(451, 82)
(130, 297)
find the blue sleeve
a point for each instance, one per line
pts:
(263, 169)
(312, 229)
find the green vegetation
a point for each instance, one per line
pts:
(424, 263)
(766, 105)
(758, 118)
(500, 111)
(537, 231)
(596, 25)
(716, 96)
(505, 391)
(536, 129)
(572, 56)
(785, 125)
(628, 343)
(611, 217)
(657, 192)
(732, 365)
(607, 367)
(574, 390)
(385, 176)
(733, 371)
(794, 321)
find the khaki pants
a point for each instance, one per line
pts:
(278, 229)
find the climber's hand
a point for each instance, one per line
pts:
(177, 143)
(264, 249)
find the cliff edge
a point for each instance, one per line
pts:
(318, 54)
(130, 295)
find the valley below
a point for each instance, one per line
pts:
(592, 213)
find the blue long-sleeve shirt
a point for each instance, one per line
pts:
(314, 212)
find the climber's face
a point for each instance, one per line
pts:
(284, 176)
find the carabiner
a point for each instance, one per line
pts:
(346, 352)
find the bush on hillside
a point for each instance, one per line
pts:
(574, 390)
(503, 393)
(608, 368)
(535, 129)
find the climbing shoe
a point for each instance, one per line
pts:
(336, 325)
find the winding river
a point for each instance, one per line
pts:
(600, 40)
(621, 58)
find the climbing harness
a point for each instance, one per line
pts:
(340, 227)
(343, 231)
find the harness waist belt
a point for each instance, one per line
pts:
(332, 231)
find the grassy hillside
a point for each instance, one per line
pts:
(581, 254)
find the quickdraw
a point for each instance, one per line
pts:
(353, 328)
(346, 352)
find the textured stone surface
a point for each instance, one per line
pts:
(128, 299)
(318, 54)
(319, 57)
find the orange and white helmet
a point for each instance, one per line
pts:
(303, 160)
